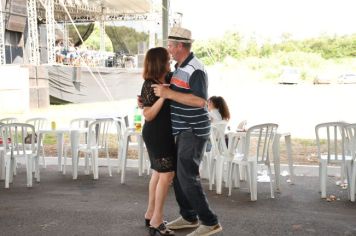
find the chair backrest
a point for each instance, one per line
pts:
(242, 125)
(13, 137)
(331, 140)
(81, 122)
(38, 123)
(8, 120)
(351, 139)
(98, 133)
(217, 138)
(259, 139)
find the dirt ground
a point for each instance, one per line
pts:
(303, 151)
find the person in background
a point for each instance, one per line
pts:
(158, 138)
(218, 109)
(191, 127)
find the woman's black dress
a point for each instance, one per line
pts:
(157, 133)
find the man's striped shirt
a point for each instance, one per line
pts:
(190, 77)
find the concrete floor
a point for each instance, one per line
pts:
(62, 206)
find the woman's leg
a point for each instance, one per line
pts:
(151, 194)
(165, 180)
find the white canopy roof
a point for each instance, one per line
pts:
(128, 6)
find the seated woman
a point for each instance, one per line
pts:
(219, 114)
(218, 109)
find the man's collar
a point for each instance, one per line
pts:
(185, 62)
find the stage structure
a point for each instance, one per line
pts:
(28, 36)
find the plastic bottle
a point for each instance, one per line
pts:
(137, 120)
(53, 125)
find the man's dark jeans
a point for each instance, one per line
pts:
(187, 186)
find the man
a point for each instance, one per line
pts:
(191, 127)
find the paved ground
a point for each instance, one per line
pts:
(62, 206)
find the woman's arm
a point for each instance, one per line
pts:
(151, 112)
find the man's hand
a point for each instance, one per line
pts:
(161, 90)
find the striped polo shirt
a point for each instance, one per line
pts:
(190, 77)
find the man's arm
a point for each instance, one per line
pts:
(198, 85)
(184, 98)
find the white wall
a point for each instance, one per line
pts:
(14, 89)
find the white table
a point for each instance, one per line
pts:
(276, 157)
(74, 141)
(60, 141)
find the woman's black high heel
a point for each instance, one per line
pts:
(161, 230)
(147, 222)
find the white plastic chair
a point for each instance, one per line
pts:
(351, 134)
(97, 140)
(39, 123)
(218, 158)
(78, 123)
(332, 147)
(256, 151)
(8, 120)
(14, 147)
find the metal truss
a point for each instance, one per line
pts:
(50, 26)
(102, 35)
(32, 32)
(2, 39)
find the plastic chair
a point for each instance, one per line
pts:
(256, 151)
(39, 123)
(13, 145)
(218, 157)
(332, 144)
(78, 123)
(8, 120)
(97, 140)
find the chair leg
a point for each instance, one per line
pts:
(29, 164)
(7, 171)
(95, 160)
(323, 179)
(352, 183)
(86, 159)
(37, 168)
(270, 181)
(212, 174)
(253, 179)
(108, 159)
(64, 161)
(124, 158)
(43, 157)
(237, 177)
(230, 178)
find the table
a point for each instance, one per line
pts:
(74, 141)
(276, 156)
(60, 141)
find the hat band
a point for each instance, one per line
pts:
(177, 38)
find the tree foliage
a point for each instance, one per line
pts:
(233, 45)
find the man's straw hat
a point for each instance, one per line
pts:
(179, 34)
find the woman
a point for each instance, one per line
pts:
(157, 135)
(218, 109)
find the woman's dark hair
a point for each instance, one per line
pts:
(220, 104)
(155, 63)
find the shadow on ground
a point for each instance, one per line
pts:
(62, 206)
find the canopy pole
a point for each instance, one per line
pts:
(165, 7)
(2, 38)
